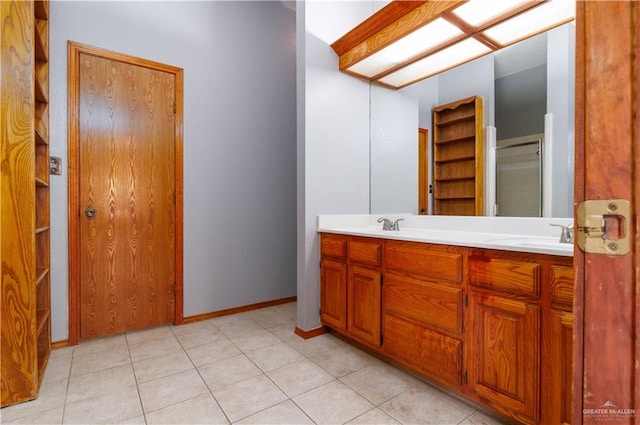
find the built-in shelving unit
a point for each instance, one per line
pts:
(41, 147)
(26, 293)
(457, 157)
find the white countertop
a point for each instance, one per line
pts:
(535, 235)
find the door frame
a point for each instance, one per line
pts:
(423, 171)
(606, 298)
(74, 50)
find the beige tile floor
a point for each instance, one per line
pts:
(247, 368)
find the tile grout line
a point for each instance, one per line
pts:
(135, 376)
(200, 375)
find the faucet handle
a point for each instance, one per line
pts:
(396, 224)
(386, 223)
(567, 232)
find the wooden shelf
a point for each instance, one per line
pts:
(41, 274)
(456, 120)
(43, 318)
(41, 121)
(441, 198)
(41, 9)
(449, 160)
(465, 138)
(41, 80)
(454, 179)
(41, 138)
(42, 183)
(457, 157)
(40, 46)
(40, 94)
(42, 229)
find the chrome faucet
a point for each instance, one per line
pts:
(567, 233)
(386, 223)
(390, 225)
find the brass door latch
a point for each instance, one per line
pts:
(603, 226)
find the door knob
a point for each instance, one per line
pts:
(90, 212)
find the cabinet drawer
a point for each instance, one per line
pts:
(426, 260)
(436, 305)
(365, 252)
(431, 354)
(508, 275)
(562, 284)
(334, 246)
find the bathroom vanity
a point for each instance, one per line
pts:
(484, 310)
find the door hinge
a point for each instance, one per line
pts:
(175, 108)
(603, 226)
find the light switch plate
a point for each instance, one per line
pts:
(55, 165)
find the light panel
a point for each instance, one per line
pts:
(457, 54)
(532, 22)
(422, 40)
(478, 12)
(430, 36)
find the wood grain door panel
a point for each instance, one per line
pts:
(333, 294)
(432, 354)
(557, 396)
(127, 174)
(434, 304)
(504, 365)
(363, 315)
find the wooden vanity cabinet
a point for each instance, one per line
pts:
(558, 346)
(492, 326)
(333, 281)
(364, 281)
(422, 305)
(350, 281)
(504, 335)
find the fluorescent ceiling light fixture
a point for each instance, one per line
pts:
(447, 58)
(478, 12)
(409, 40)
(533, 21)
(422, 40)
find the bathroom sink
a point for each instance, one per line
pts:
(547, 243)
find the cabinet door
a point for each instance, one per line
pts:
(333, 294)
(504, 361)
(364, 305)
(557, 395)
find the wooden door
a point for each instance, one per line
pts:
(333, 294)
(606, 314)
(504, 365)
(423, 171)
(364, 296)
(126, 127)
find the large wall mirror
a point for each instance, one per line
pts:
(528, 95)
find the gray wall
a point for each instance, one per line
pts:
(333, 136)
(239, 139)
(521, 103)
(394, 146)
